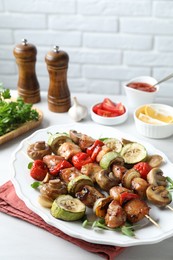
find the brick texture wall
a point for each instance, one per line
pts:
(108, 41)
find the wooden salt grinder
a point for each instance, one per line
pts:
(58, 92)
(27, 86)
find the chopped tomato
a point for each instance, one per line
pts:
(126, 196)
(96, 107)
(143, 168)
(38, 170)
(81, 159)
(102, 112)
(109, 105)
(61, 165)
(108, 108)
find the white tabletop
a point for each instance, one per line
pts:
(21, 240)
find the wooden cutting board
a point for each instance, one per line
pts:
(22, 129)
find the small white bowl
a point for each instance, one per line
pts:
(156, 131)
(102, 120)
(136, 97)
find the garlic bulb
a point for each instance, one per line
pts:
(77, 112)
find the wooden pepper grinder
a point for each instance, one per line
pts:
(58, 92)
(27, 86)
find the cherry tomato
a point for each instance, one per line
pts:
(61, 165)
(126, 196)
(81, 159)
(143, 168)
(38, 170)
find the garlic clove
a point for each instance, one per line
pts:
(77, 112)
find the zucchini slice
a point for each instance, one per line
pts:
(76, 184)
(109, 158)
(114, 144)
(56, 140)
(67, 208)
(133, 153)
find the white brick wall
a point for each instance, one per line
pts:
(108, 41)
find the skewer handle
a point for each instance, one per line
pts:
(152, 220)
(169, 207)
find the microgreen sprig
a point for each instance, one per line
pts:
(126, 229)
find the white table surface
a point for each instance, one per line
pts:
(21, 240)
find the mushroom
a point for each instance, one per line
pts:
(50, 190)
(155, 160)
(158, 195)
(155, 177)
(128, 176)
(106, 179)
(83, 140)
(38, 150)
(53, 188)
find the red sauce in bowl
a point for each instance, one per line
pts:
(142, 86)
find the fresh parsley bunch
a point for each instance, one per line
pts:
(14, 113)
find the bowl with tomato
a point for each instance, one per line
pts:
(141, 90)
(109, 112)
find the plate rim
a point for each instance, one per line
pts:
(47, 219)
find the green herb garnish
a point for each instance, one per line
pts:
(126, 229)
(14, 113)
(30, 165)
(170, 183)
(35, 184)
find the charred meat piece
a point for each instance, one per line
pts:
(88, 195)
(116, 216)
(68, 149)
(139, 186)
(90, 169)
(68, 174)
(52, 160)
(105, 149)
(84, 141)
(116, 191)
(118, 171)
(136, 209)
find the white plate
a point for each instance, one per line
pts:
(21, 179)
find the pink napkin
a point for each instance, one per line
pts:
(12, 205)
